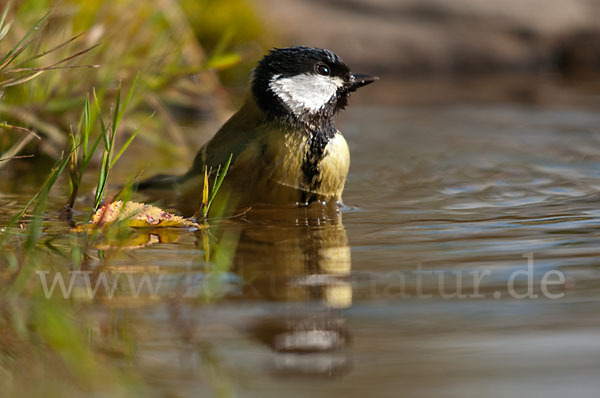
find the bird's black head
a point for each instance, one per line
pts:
(305, 85)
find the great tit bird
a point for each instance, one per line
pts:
(284, 145)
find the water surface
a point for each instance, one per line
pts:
(435, 197)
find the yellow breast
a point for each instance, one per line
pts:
(269, 171)
(287, 153)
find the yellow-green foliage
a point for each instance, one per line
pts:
(56, 347)
(163, 41)
(231, 25)
(209, 17)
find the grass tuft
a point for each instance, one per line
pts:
(209, 194)
(60, 98)
(108, 134)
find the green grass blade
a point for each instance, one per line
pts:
(86, 159)
(44, 53)
(215, 180)
(109, 137)
(99, 112)
(127, 99)
(5, 13)
(4, 30)
(86, 126)
(117, 110)
(106, 138)
(4, 61)
(220, 179)
(124, 147)
(102, 178)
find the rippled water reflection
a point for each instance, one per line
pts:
(435, 197)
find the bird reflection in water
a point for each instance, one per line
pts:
(306, 264)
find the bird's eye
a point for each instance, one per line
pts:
(323, 69)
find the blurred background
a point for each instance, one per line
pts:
(442, 51)
(480, 144)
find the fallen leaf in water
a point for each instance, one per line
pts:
(136, 215)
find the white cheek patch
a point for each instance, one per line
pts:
(305, 92)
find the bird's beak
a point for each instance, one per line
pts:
(358, 80)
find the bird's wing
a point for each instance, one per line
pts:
(232, 139)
